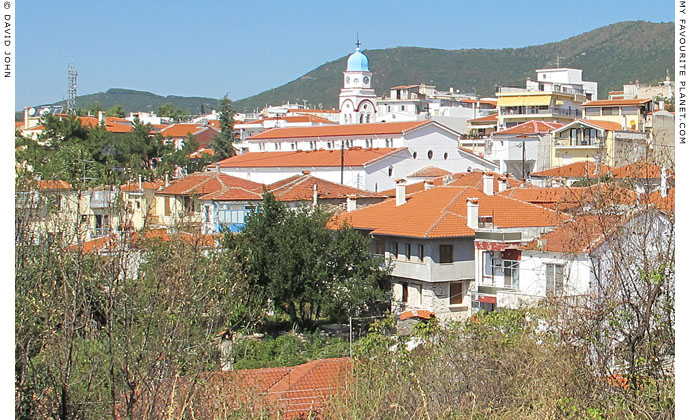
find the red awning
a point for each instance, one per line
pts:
(487, 299)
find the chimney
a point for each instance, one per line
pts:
(351, 203)
(661, 104)
(400, 192)
(217, 167)
(428, 184)
(140, 182)
(664, 184)
(167, 180)
(225, 350)
(473, 213)
(26, 118)
(502, 184)
(488, 184)
(315, 200)
(101, 117)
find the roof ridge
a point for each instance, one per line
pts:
(444, 212)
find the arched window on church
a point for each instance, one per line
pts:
(361, 118)
(368, 117)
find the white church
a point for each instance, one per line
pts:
(358, 152)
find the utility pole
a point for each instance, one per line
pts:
(523, 161)
(342, 160)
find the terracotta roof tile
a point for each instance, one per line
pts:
(580, 235)
(442, 212)
(562, 198)
(428, 172)
(355, 156)
(493, 118)
(639, 170)
(575, 170)
(294, 119)
(112, 242)
(145, 185)
(460, 179)
(340, 130)
(301, 188)
(617, 102)
(202, 183)
(182, 130)
(531, 127)
(53, 185)
(666, 204)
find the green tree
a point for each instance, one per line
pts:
(223, 144)
(305, 268)
(169, 110)
(116, 111)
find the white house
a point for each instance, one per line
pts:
(364, 156)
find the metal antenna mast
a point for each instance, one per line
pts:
(71, 89)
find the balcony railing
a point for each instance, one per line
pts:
(579, 142)
(533, 110)
(100, 231)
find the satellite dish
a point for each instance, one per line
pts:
(32, 111)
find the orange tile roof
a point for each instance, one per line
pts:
(145, 185)
(442, 212)
(18, 124)
(562, 198)
(202, 183)
(297, 390)
(531, 127)
(580, 235)
(460, 179)
(417, 313)
(575, 170)
(199, 153)
(182, 130)
(493, 118)
(639, 170)
(112, 124)
(111, 242)
(341, 130)
(301, 188)
(355, 156)
(617, 102)
(666, 204)
(315, 111)
(215, 124)
(428, 172)
(404, 87)
(52, 185)
(616, 92)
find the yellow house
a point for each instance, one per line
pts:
(516, 106)
(596, 141)
(629, 113)
(140, 202)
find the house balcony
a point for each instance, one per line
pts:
(102, 199)
(579, 143)
(536, 112)
(100, 231)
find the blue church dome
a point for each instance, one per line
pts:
(358, 62)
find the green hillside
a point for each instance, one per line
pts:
(612, 56)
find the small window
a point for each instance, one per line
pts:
(166, 210)
(445, 156)
(395, 250)
(414, 155)
(408, 248)
(380, 246)
(390, 171)
(405, 293)
(446, 254)
(554, 279)
(421, 252)
(456, 293)
(609, 111)
(430, 154)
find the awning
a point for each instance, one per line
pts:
(532, 100)
(487, 299)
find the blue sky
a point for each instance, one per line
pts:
(197, 48)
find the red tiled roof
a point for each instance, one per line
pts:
(460, 179)
(145, 185)
(199, 153)
(355, 156)
(493, 118)
(666, 204)
(111, 242)
(18, 124)
(575, 170)
(298, 390)
(428, 172)
(202, 183)
(577, 236)
(301, 188)
(617, 102)
(182, 130)
(52, 185)
(315, 111)
(341, 130)
(442, 212)
(562, 198)
(639, 170)
(531, 127)
(616, 92)
(417, 313)
(295, 119)
(601, 124)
